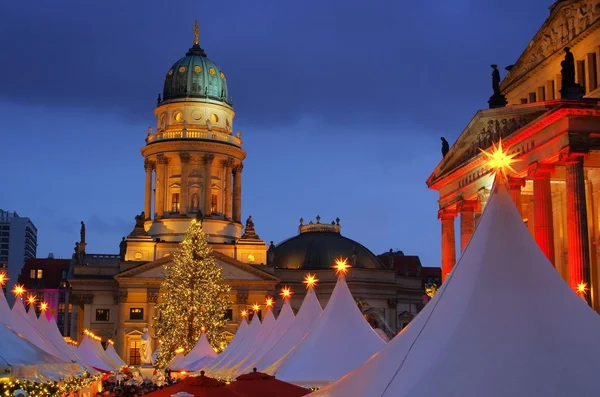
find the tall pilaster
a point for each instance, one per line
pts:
(207, 161)
(228, 187)
(237, 192)
(577, 229)
(184, 193)
(161, 185)
(467, 221)
(542, 206)
(447, 215)
(483, 196)
(515, 185)
(149, 167)
(120, 298)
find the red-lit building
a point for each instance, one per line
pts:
(47, 280)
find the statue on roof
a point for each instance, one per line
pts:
(82, 232)
(249, 232)
(123, 249)
(271, 255)
(568, 68)
(496, 80)
(445, 147)
(140, 219)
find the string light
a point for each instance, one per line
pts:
(310, 280)
(341, 266)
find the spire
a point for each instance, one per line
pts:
(196, 33)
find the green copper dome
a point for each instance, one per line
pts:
(195, 76)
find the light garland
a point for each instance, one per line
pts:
(193, 294)
(47, 389)
(92, 335)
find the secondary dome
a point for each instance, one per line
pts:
(195, 76)
(317, 246)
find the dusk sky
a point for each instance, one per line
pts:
(341, 105)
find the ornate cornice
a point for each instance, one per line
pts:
(162, 159)
(149, 165)
(238, 168)
(184, 157)
(152, 296)
(241, 298)
(120, 297)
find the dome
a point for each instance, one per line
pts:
(317, 246)
(195, 76)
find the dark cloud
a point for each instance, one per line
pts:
(340, 62)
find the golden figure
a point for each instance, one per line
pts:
(196, 33)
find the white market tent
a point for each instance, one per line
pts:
(51, 332)
(338, 342)
(232, 346)
(266, 328)
(310, 310)
(201, 350)
(503, 324)
(92, 353)
(111, 353)
(176, 360)
(284, 321)
(248, 340)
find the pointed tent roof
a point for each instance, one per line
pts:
(338, 342)
(265, 330)
(491, 326)
(309, 312)
(50, 330)
(176, 360)
(284, 321)
(249, 338)
(92, 353)
(112, 354)
(5, 312)
(201, 349)
(232, 346)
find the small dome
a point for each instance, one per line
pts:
(195, 76)
(317, 248)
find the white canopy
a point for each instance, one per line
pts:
(201, 350)
(338, 342)
(92, 353)
(253, 330)
(284, 320)
(176, 360)
(503, 324)
(51, 332)
(114, 357)
(310, 310)
(232, 346)
(249, 348)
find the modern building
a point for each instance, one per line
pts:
(18, 243)
(546, 110)
(193, 164)
(46, 279)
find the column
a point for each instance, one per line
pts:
(120, 298)
(148, 166)
(482, 196)
(161, 185)
(447, 215)
(515, 185)
(542, 207)
(152, 299)
(228, 187)
(577, 229)
(207, 161)
(237, 192)
(183, 191)
(467, 221)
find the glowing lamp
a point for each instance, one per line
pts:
(203, 328)
(31, 299)
(286, 292)
(43, 306)
(256, 307)
(499, 160)
(341, 266)
(310, 280)
(18, 290)
(582, 288)
(244, 313)
(3, 278)
(270, 302)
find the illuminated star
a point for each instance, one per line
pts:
(582, 288)
(244, 313)
(269, 302)
(499, 160)
(202, 328)
(256, 307)
(286, 292)
(31, 299)
(3, 278)
(43, 306)
(18, 290)
(310, 280)
(341, 266)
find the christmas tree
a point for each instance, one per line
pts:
(193, 295)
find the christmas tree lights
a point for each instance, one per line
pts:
(193, 295)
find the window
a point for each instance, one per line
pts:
(229, 314)
(134, 353)
(175, 202)
(32, 274)
(102, 314)
(213, 204)
(39, 273)
(136, 313)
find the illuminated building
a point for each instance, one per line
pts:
(550, 120)
(193, 165)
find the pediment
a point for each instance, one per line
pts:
(487, 127)
(568, 21)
